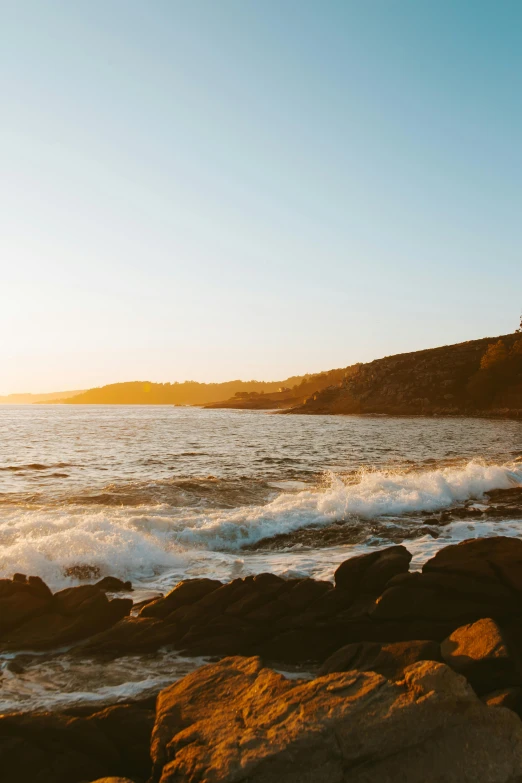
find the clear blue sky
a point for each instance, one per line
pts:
(216, 189)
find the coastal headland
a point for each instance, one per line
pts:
(475, 378)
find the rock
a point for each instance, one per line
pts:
(58, 748)
(481, 653)
(129, 729)
(236, 721)
(497, 560)
(113, 780)
(130, 636)
(83, 571)
(113, 585)
(186, 592)
(511, 698)
(56, 628)
(370, 573)
(19, 578)
(390, 660)
(82, 598)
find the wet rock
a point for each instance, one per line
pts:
(21, 600)
(83, 571)
(390, 660)
(186, 592)
(130, 636)
(496, 560)
(235, 721)
(481, 652)
(54, 629)
(19, 578)
(113, 585)
(464, 582)
(370, 573)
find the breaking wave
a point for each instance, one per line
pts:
(141, 543)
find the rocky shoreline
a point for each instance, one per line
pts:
(405, 671)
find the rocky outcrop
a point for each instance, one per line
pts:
(375, 599)
(32, 618)
(447, 380)
(236, 721)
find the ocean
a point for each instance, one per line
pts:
(156, 494)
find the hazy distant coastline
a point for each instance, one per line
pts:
(30, 399)
(478, 377)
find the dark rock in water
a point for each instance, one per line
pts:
(56, 628)
(58, 748)
(236, 721)
(129, 636)
(370, 573)
(186, 592)
(496, 560)
(21, 600)
(113, 585)
(83, 571)
(390, 660)
(464, 582)
(19, 578)
(481, 652)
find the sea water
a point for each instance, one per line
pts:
(156, 494)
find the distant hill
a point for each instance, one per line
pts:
(29, 399)
(286, 396)
(473, 378)
(186, 393)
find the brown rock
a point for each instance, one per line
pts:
(390, 660)
(187, 592)
(481, 653)
(113, 585)
(53, 629)
(130, 636)
(236, 721)
(113, 780)
(497, 559)
(370, 573)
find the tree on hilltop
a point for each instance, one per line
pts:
(495, 354)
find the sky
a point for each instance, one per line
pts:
(222, 189)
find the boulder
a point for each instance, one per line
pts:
(236, 721)
(496, 560)
(390, 660)
(511, 698)
(130, 636)
(54, 628)
(58, 748)
(187, 592)
(370, 573)
(482, 653)
(112, 584)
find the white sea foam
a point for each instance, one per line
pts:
(143, 544)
